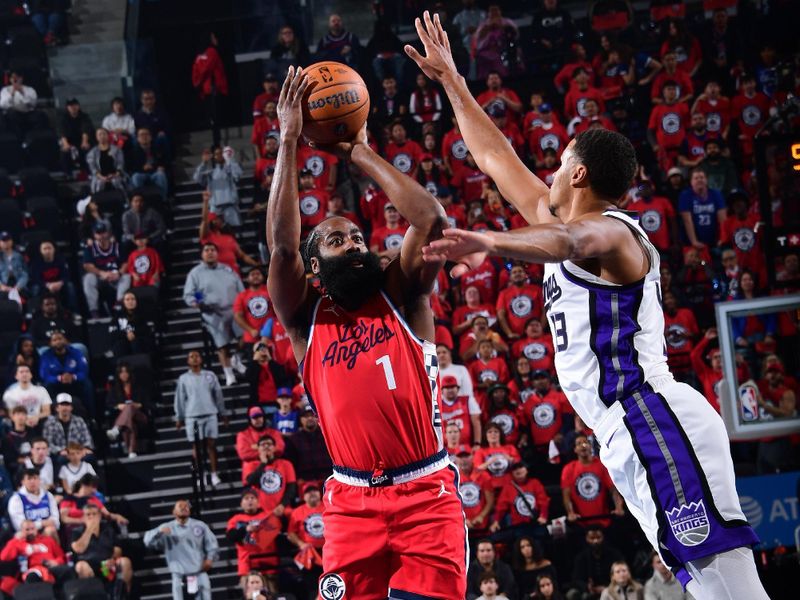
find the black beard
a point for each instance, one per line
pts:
(351, 286)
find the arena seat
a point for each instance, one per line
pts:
(36, 181)
(10, 316)
(11, 217)
(41, 146)
(44, 213)
(85, 589)
(10, 155)
(34, 591)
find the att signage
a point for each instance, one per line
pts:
(771, 506)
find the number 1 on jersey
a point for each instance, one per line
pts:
(387, 371)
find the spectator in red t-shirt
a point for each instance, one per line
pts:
(274, 478)
(468, 344)
(252, 308)
(271, 92)
(680, 333)
(657, 217)
(371, 205)
(402, 153)
(462, 410)
(671, 72)
(456, 216)
(425, 102)
(464, 315)
(536, 346)
(144, 263)
(524, 498)
(388, 239)
(254, 532)
(506, 126)
(41, 553)
(454, 149)
(666, 129)
(486, 369)
(504, 98)
(209, 80)
(750, 108)
(500, 410)
(477, 494)
(470, 180)
(545, 172)
(213, 230)
(580, 91)
(591, 118)
(739, 231)
(533, 118)
(586, 487)
(684, 45)
(265, 376)
(323, 166)
(495, 455)
(313, 202)
(716, 108)
(266, 127)
(542, 415)
(247, 440)
(518, 303)
(548, 134)
(577, 58)
(484, 277)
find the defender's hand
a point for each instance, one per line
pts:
(468, 248)
(438, 60)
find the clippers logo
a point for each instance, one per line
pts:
(713, 122)
(689, 523)
(751, 115)
(393, 241)
(521, 505)
(676, 336)
(671, 123)
(498, 464)
(487, 375)
(534, 351)
(470, 494)
(309, 205)
(141, 264)
(258, 306)
(314, 525)
(588, 486)
(549, 140)
(402, 162)
(316, 165)
(331, 587)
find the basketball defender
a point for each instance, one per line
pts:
(664, 446)
(392, 514)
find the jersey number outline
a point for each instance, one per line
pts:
(386, 363)
(560, 329)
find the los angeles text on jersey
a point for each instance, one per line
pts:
(354, 339)
(551, 292)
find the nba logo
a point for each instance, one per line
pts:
(748, 401)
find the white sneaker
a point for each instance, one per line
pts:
(113, 433)
(237, 364)
(132, 455)
(215, 480)
(230, 378)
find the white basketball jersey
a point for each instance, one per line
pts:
(609, 338)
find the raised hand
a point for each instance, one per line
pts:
(468, 248)
(438, 60)
(290, 103)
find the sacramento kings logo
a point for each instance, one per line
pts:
(459, 150)
(394, 241)
(650, 220)
(522, 505)
(671, 123)
(751, 115)
(713, 122)
(505, 421)
(331, 587)
(271, 482)
(402, 162)
(314, 526)
(675, 336)
(521, 306)
(470, 494)
(258, 306)
(689, 523)
(141, 264)
(498, 463)
(534, 351)
(544, 415)
(316, 165)
(588, 486)
(309, 205)
(744, 238)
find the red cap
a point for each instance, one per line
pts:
(426, 156)
(449, 381)
(776, 367)
(309, 487)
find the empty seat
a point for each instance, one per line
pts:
(147, 301)
(110, 202)
(103, 334)
(10, 316)
(10, 152)
(11, 217)
(36, 181)
(85, 589)
(44, 214)
(41, 147)
(24, 40)
(34, 591)
(6, 186)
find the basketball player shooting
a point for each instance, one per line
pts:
(393, 520)
(664, 446)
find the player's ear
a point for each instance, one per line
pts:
(313, 262)
(579, 177)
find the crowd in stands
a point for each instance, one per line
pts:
(544, 519)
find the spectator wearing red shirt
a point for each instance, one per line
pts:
(454, 150)
(387, 240)
(504, 98)
(209, 80)
(502, 412)
(578, 94)
(577, 59)
(470, 181)
(323, 166)
(265, 377)
(716, 108)
(254, 532)
(495, 456)
(305, 523)
(42, 555)
(671, 72)
(521, 386)
(371, 205)
(247, 440)
(464, 411)
(550, 164)
(542, 414)
(464, 315)
(657, 217)
(487, 369)
(214, 230)
(456, 216)
(536, 346)
(776, 401)
(477, 494)
(586, 486)
(402, 153)
(524, 498)
(693, 148)
(666, 128)
(518, 303)
(252, 307)
(685, 46)
(429, 175)
(751, 109)
(616, 74)
(590, 118)
(548, 134)
(680, 333)
(273, 478)
(144, 263)
(266, 127)
(739, 232)
(484, 277)
(468, 344)
(313, 202)
(271, 92)
(507, 127)
(709, 374)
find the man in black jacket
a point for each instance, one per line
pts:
(591, 572)
(486, 560)
(76, 134)
(307, 451)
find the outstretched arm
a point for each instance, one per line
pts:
(488, 145)
(287, 283)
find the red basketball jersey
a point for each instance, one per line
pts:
(373, 385)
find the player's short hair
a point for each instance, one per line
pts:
(610, 159)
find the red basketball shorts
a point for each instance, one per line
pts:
(405, 541)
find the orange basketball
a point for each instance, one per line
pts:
(337, 103)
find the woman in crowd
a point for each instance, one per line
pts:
(255, 587)
(106, 164)
(547, 589)
(530, 566)
(135, 333)
(131, 401)
(495, 455)
(289, 50)
(622, 586)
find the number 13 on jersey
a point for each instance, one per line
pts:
(559, 325)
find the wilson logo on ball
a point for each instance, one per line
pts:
(335, 100)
